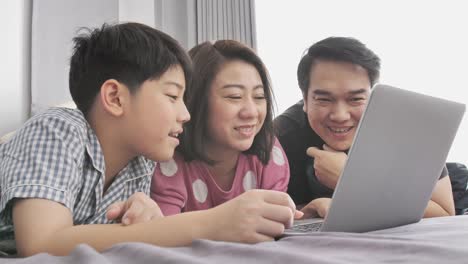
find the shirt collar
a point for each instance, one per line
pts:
(94, 150)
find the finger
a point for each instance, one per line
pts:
(298, 214)
(322, 208)
(257, 237)
(148, 214)
(133, 213)
(270, 228)
(278, 198)
(278, 213)
(115, 210)
(310, 210)
(313, 152)
(327, 148)
(157, 212)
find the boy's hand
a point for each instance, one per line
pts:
(318, 207)
(254, 216)
(328, 164)
(137, 209)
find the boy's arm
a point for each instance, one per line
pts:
(441, 203)
(255, 216)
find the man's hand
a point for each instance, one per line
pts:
(318, 207)
(138, 208)
(328, 164)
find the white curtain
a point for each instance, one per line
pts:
(226, 19)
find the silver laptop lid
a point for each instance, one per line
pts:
(396, 158)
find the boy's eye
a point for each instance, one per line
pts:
(174, 97)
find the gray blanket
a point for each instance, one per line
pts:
(438, 240)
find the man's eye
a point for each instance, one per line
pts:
(323, 99)
(357, 99)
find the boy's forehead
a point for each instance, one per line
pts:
(174, 76)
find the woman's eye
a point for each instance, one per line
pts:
(260, 97)
(234, 97)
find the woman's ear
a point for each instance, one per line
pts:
(113, 95)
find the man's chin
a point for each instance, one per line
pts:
(339, 146)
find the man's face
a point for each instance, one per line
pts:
(337, 96)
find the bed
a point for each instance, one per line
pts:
(436, 240)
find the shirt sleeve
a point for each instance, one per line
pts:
(168, 186)
(444, 172)
(275, 175)
(40, 161)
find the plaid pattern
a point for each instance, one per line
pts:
(57, 156)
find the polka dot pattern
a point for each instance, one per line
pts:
(250, 181)
(168, 168)
(200, 190)
(278, 157)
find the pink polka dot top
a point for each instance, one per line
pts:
(179, 186)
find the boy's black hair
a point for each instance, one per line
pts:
(130, 53)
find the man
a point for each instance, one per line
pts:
(335, 77)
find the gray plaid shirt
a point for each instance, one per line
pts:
(57, 156)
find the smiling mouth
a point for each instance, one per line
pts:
(245, 129)
(174, 135)
(340, 130)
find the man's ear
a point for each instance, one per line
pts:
(304, 106)
(113, 96)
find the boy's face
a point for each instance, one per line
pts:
(156, 114)
(337, 96)
(237, 107)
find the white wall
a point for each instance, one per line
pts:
(141, 11)
(15, 18)
(422, 44)
(54, 24)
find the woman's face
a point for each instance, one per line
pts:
(237, 107)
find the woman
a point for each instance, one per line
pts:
(229, 146)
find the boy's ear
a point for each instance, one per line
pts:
(113, 96)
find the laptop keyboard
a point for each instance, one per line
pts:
(312, 227)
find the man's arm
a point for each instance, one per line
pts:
(257, 215)
(441, 203)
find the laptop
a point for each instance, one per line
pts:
(396, 158)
